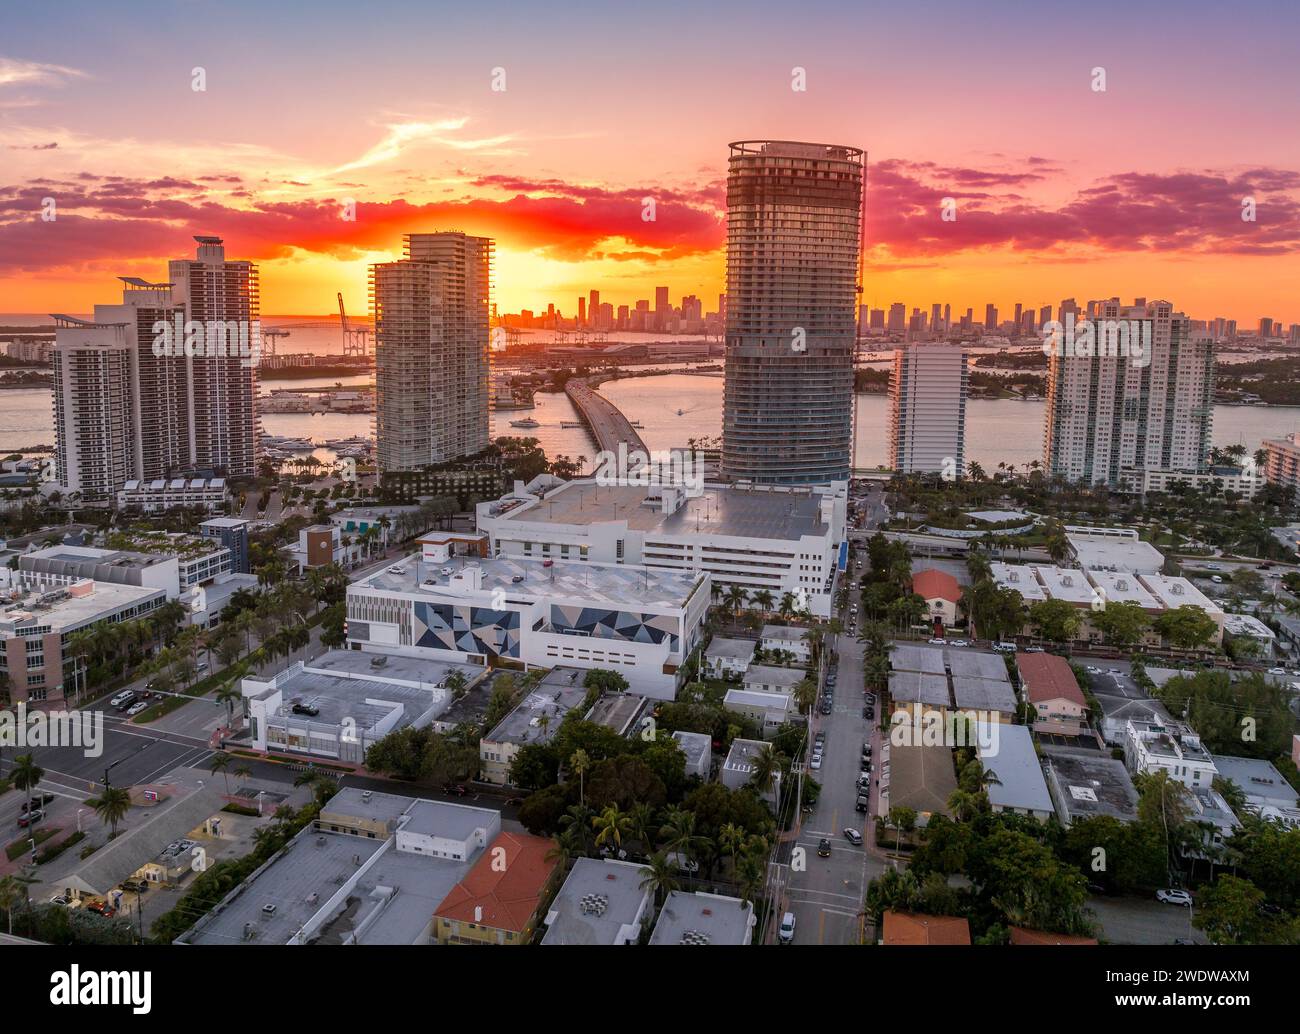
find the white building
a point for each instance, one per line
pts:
(638, 621)
(927, 409)
(725, 657)
(339, 704)
(1282, 462)
(1243, 481)
(602, 902)
(1175, 749)
(789, 638)
(168, 494)
(773, 538)
(769, 711)
(431, 313)
(534, 721)
(738, 768)
(1150, 409)
(1113, 549)
(698, 748)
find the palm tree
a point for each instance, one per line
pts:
(661, 877)
(580, 761)
(750, 875)
(221, 763)
(112, 806)
(611, 826)
(26, 775)
(13, 893)
(766, 764)
(643, 819)
(763, 599)
(788, 605)
(735, 598)
(679, 834)
(228, 693)
(731, 838)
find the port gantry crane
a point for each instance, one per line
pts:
(356, 340)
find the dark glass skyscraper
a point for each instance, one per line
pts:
(794, 234)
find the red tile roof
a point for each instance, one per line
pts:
(936, 585)
(508, 887)
(912, 928)
(1023, 935)
(1048, 677)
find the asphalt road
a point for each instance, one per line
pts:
(826, 896)
(1133, 920)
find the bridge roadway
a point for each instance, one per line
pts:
(605, 421)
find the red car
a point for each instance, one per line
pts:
(27, 819)
(102, 908)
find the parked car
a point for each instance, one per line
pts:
(1005, 647)
(862, 803)
(936, 641)
(125, 701)
(824, 848)
(786, 933)
(826, 708)
(1174, 896)
(102, 908)
(816, 762)
(958, 642)
(867, 712)
(135, 886)
(454, 788)
(136, 708)
(853, 836)
(310, 710)
(121, 699)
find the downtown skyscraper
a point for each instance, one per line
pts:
(794, 234)
(431, 350)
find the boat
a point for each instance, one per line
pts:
(526, 422)
(681, 412)
(637, 424)
(570, 423)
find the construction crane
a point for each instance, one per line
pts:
(356, 340)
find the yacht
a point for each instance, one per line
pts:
(526, 422)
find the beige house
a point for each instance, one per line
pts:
(1051, 690)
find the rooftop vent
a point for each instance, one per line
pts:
(594, 904)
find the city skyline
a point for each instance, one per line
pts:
(1045, 208)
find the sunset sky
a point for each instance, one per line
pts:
(1061, 190)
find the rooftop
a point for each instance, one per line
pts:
(786, 633)
(1064, 583)
(703, 919)
(932, 584)
(344, 684)
(718, 510)
(614, 584)
(695, 745)
(504, 887)
(451, 821)
(722, 648)
(1172, 741)
(1091, 784)
(537, 717)
(976, 664)
(983, 694)
(911, 687)
(1178, 592)
(1013, 761)
(352, 803)
(773, 675)
(617, 711)
(927, 659)
(921, 778)
(914, 928)
(599, 901)
(1257, 779)
(1046, 676)
(67, 609)
(1097, 549)
(1020, 577)
(1123, 587)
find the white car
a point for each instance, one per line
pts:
(137, 707)
(1277, 671)
(958, 642)
(938, 642)
(816, 762)
(786, 934)
(1174, 897)
(1092, 669)
(853, 836)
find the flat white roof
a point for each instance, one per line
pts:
(1178, 592)
(1117, 553)
(1020, 577)
(1063, 583)
(1123, 587)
